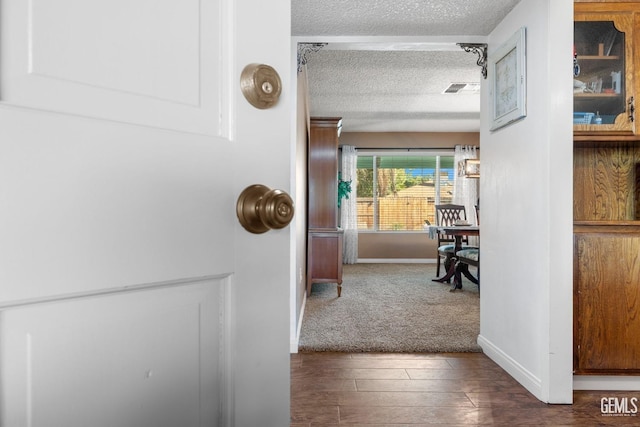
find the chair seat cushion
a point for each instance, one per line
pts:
(448, 249)
(472, 254)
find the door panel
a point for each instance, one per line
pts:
(128, 65)
(152, 353)
(116, 185)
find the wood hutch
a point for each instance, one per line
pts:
(324, 238)
(606, 189)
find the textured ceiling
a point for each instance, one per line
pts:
(391, 90)
(397, 17)
(380, 89)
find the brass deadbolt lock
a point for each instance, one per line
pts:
(260, 209)
(260, 85)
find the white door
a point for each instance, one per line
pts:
(129, 293)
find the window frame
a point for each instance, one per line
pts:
(439, 152)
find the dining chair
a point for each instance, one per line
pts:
(466, 257)
(447, 215)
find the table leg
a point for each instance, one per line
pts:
(464, 268)
(460, 269)
(451, 270)
(450, 263)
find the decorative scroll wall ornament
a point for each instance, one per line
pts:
(479, 49)
(306, 48)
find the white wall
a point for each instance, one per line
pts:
(299, 226)
(527, 216)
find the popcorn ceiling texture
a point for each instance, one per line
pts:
(396, 90)
(371, 88)
(397, 17)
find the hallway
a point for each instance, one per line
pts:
(410, 389)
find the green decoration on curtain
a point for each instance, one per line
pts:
(344, 188)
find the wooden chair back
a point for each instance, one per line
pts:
(447, 215)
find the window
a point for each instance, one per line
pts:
(398, 192)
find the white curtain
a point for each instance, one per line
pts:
(465, 190)
(349, 207)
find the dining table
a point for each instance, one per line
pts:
(458, 232)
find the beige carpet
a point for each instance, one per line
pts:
(391, 308)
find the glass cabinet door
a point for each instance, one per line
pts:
(602, 82)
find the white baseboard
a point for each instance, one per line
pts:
(580, 382)
(513, 368)
(396, 260)
(606, 382)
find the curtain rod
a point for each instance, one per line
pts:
(405, 149)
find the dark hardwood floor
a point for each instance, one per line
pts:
(392, 390)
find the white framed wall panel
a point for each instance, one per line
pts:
(172, 75)
(156, 356)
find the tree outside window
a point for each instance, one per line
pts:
(398, 192)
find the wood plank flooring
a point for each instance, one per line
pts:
(392, 390)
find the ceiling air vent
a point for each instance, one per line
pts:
(465, 88)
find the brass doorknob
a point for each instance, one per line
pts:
(260, 209)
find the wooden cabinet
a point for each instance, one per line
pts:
(607, 298)
(606, 192)
(606, 79)
(323, 172)
(606, 186)
(324, 238)
(606, 258)
(324, 258)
